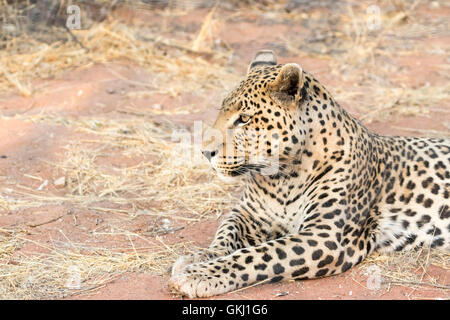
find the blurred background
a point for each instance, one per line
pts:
(98, 190)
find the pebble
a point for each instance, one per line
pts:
(435, 5)
(60, 182)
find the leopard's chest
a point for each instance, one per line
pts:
(282, 204)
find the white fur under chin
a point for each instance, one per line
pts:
(225, 178)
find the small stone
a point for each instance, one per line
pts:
(166, 224)
(3, 157)
(110, 90)
(435, 5)
(282, 294)
(60, 182)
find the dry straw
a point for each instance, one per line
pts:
(163, 186)
(111, 41)
(71, 268)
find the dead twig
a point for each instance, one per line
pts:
(46, 222)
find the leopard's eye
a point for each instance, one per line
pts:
(243, 119)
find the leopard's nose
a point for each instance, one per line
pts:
(209, 154)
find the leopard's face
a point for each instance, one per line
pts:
(258, 126)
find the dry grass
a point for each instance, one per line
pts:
(366, 56)
(68, 268)
(170, 176)
(409, 269)
(388, 103)
(166, 184)
(26, 59)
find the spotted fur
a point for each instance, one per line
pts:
(340, 191)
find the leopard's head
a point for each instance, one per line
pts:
(258, 127)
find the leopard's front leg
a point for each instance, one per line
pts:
(308, 254)
(232, 234)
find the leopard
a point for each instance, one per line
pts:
(321, 195)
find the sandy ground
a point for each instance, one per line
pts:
(28, 148)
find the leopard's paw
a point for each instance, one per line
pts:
(195, 281)
(183, 261)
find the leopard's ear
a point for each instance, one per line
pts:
(263, 58)
(286, 88)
